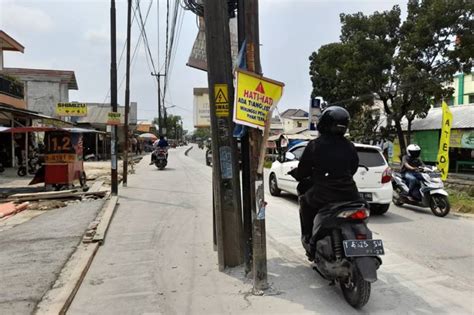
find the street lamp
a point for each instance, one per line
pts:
(165, 123)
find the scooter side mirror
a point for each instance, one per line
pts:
(289, 156)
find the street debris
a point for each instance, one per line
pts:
(10, 208)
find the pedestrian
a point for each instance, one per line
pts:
(134, 145)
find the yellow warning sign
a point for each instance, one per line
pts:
(71, 109)
(255, 96)
(221, 100)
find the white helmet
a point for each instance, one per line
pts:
(414, 150)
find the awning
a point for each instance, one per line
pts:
(33, 115)
(43, 129)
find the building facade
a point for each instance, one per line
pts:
(294, 118)
(43, 89)
(463, 85)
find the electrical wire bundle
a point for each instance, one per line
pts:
(197, 7)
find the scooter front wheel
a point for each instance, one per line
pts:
(439, 205)
(355, 289)
(21, 171)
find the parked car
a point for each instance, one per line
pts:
(373, 178)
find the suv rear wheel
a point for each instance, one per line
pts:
(379, 209)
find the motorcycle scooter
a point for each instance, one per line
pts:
(342, 247)
(431, 193)
(161, 158)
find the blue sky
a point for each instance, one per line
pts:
(74, 35)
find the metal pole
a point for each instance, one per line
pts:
(127, 96)
(165, 122)
(160, 123)
(113, 97)
(13, 145)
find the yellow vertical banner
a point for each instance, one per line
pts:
(443, 152)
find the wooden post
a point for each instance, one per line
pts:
(97, 145)
(245, 156)
(228, 213)
(113, 98)
(257, 194)
(127, 97)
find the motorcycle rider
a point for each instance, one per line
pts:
(330, 161)
(411, 163)
(160, 143)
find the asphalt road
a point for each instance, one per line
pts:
(33, 253)
(425, 253)
(158, 257)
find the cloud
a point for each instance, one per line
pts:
(24, 19)
(102, 36)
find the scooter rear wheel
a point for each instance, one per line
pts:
(396, 199)
(439, 205)
(356, 290)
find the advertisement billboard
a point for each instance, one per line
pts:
(202, 114)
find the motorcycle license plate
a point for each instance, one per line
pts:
(161, 157)
(363, 248)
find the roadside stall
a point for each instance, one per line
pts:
(63, 156)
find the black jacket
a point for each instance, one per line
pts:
(331, 162)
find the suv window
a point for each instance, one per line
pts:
(370, 157)
(298, 152)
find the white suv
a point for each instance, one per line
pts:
(373, 178)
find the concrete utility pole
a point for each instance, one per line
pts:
(165, 120)
(259, 255)
(160, 121)
(113, 97)
(226, 192)
(127, 95)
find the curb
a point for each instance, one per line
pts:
(58, 299)
(187, 150)
(463, 215)
(103, 226)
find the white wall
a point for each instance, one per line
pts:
(42, 96)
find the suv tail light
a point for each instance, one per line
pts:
(387, 175)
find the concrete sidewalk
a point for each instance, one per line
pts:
(158, 255)
(33, 253)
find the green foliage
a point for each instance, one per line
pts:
(172, 125)
(202, 133)
(403, 64)
(364, 125)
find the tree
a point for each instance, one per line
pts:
(172, 125)
(405, 65)
(202, 133)
(365, 125)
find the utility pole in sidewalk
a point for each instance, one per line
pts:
(259, 253)
(127, 96)
(113, 97)
(226, 188)
(245, 156)
(160, 121)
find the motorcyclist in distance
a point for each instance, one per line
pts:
(330, 161)
(411, 163)
(160, 143)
